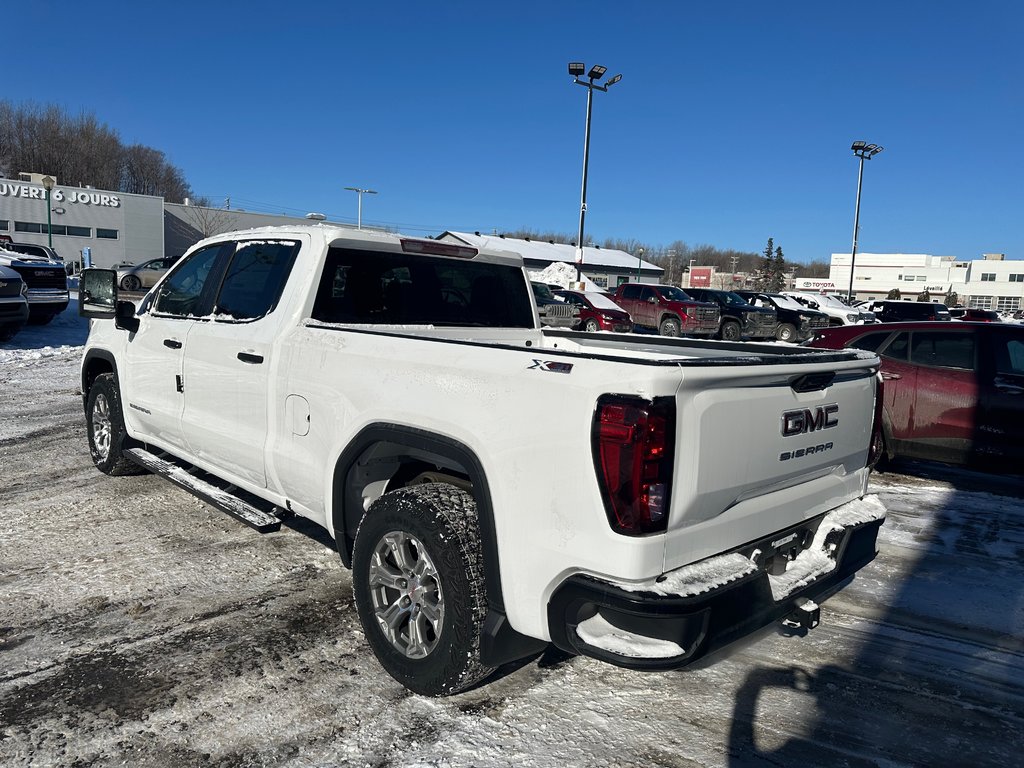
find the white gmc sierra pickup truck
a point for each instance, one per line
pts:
(493, 485)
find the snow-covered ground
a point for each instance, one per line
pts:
(140, 627)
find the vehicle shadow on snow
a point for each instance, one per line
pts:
(937, 678)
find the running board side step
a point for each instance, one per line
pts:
(225, 499)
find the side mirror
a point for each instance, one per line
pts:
(97, 299)
(97, 294)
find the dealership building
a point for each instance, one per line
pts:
(108, 227)
(991, 282)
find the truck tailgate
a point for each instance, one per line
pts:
(758, 453)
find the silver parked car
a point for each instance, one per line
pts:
(134, 277)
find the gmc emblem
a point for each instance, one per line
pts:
(808, 420)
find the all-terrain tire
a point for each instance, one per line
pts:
(9, 330)
(669, 327)
(105, 425)
(417, 557)
(786, 332)
(731, 331)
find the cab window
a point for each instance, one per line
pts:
(255, 279)
(181, 293)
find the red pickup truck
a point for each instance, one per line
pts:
(669, 310)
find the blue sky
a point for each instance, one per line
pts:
(732, 122)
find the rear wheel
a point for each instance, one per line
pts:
(105, 426)
(786, 332)
(418, 581)
(731, 331)
(669, 327)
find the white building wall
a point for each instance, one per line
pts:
(876, 274)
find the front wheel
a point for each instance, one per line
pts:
(591, 326)
(669, 327)
(105, 426)
(418, 582)
(131, 283)
(786, 332)
(731, 331)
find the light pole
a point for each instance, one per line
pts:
(639, 256)
(48, 182)
(864, 151)
(360, 192)
(576, 69)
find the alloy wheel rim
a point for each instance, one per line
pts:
(101, 427)
(408, 602)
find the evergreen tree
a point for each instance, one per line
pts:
(763, 280)
(924, 296)
(778, 270)
(894, 295)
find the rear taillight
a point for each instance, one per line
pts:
(633, 442)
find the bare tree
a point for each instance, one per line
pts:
(208, 221)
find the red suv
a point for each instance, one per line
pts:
(597, 311)
(952, 392)
(668, 310)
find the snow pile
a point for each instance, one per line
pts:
(599, 633)
(563, 274)
(64, 335)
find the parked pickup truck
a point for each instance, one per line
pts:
(45, 275)
(390, 389)
(740, 320)
(668, 310)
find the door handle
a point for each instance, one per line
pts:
(890, 376)
(248, 357)
(1010, 389)
(172, 343)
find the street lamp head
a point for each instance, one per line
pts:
(48, 182)
(877, 150)
(858, 145)
(613, 81)
(576, 68)
(597, 72)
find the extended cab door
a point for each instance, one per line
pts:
(229, 357)
(151, 378)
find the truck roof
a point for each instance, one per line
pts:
(345, 237)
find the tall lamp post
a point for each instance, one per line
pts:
(48, 182)
(360, 192)
(576, 69)
(864, 151)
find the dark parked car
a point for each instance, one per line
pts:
(796, 322)
(891, 311)
(552, 311)
(740, 319)
(597, 311)
(952, 392)
(13, 305)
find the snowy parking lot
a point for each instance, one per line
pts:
(140, 627)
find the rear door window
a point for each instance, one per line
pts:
(361, 287)
(943, 349)
(255, 279)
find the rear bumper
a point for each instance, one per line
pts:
(685, 614)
